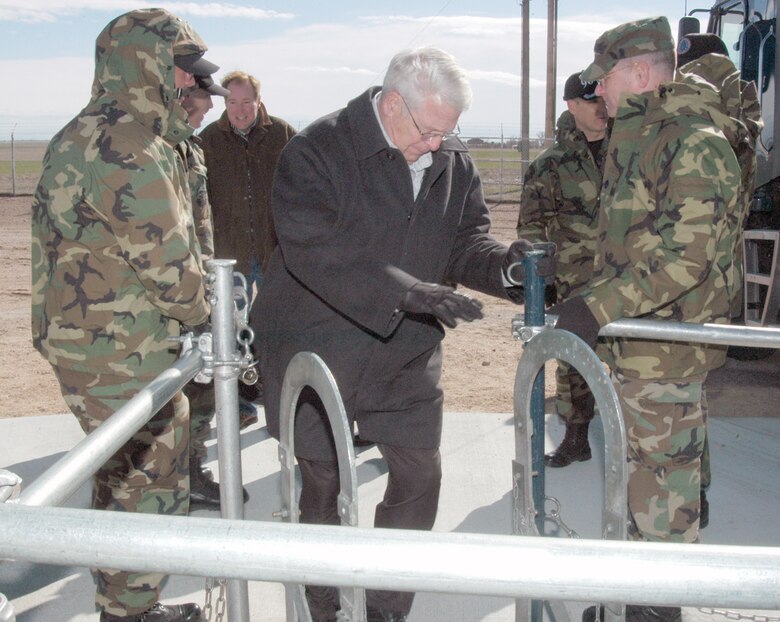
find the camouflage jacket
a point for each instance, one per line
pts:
(670, 192)
(115, 263)
(743, 108)
(195, 161)
(560, 204)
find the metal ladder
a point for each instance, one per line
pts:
(762, 288)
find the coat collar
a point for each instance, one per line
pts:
(263, 121)
(368, 138)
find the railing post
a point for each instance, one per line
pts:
(227, 367)
(533, 284)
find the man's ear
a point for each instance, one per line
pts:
(641, 73)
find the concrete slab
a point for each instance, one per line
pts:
(477, 450)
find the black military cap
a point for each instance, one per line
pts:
(575, 88)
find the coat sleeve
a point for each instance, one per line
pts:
(201, 207)
(537, 203)
(476, 258)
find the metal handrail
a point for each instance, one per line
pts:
(454, 563)
(60, 481)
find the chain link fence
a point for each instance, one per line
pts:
(499, 163)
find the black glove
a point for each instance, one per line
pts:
(575, 316)
(203, 327)
(442, 302)
(550, 295)
(513, 266)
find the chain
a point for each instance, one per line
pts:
(208, 607)
(221, 601)
(555, 516)
(736, 615)
(244, 334)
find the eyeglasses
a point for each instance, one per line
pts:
(603, 80)
(429, 137)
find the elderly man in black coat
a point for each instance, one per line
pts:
(379, 213)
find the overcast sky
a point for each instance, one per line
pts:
(311, 56)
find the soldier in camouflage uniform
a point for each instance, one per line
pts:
(204, 491)
(706, 56)
(116, 272)
(670, 194)
(560, 204)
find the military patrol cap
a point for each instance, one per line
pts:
(212, 88)
(696, 45)
(195, 64)
(574, 88)
(643, 36)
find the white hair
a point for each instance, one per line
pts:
(419, 73)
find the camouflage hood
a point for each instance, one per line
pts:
(134, 70)
(566, 131)
(710, 88)
(739, 99)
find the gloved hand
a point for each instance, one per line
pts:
(575, 316)
(513, 266)
(203, 327)
(442, 302)
(550, 295)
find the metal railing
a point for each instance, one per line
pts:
(210, 355)
(449, 563)
(494, 565)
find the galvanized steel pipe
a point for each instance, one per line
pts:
(456, 563)
(56, 485)
(722, 334)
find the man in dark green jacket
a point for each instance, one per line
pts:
(241, 149)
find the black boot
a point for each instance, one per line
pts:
(573, 448)
(204, 491)
(704, 510)
(188, 612)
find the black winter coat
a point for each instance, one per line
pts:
(352, 240)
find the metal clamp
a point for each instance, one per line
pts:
(524, 333)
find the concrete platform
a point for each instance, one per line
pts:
(477, 450)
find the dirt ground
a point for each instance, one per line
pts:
(479, 366)
(480, 358)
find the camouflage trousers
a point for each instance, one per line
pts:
(665, 428)
(570, 386)
(149, 474)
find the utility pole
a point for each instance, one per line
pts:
(552, 70)
(13, 163)
(525, 154)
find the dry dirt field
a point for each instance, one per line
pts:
(480, 358)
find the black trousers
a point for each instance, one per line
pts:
(410, 502)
